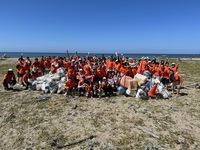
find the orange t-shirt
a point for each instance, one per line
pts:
(26, 77)
(123, 70)
(71, 73)
(8, 77)
(117, 66)
(35, 64)
(47, 64)
(157, 71)
(20, 68)
(109, 64)
(165, 73)
(130, 73)
(175, 69)
(134, 71)
(70, 84)
(144, 63)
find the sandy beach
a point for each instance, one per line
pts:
(116, 122)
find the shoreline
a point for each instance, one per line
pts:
(178, 59)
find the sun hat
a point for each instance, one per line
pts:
(133, 65)
(10, 70)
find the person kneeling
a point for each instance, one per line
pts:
(26, 79)
(9, 78)
(105, 87)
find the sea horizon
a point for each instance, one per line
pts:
(132, 55)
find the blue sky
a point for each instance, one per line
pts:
(127, 26)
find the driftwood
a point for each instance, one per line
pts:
(54, 143)
(148, 132)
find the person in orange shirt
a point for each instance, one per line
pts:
(36, 64)
(105, 87)
(28, 63)
(165, 75)
(54, 66)
(176, 81)
(144, 63)
(26, 79)
(123, 69)
(71, 73)
(130, 72)
(9, 78)
(134, 69)
(157, 71)
(70, 87)
(35, 73)
(88, 90)
(109, 64)
(101, 70)
(146, 72)
(81, 85)
(117, 65)
(61, 62)
(174, 67)
(47, 65)
(20, 69)
(42, 64)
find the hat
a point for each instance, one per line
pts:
(104, 78)
(79, 59)
(133, 65)
(10, 70)
(73, 60)
(173, 63)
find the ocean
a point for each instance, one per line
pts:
(134, 55)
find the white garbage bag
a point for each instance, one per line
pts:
(161, 89)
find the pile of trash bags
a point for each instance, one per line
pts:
(141, 86)
(50, 83)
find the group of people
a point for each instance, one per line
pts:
(93, 76)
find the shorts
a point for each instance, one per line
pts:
(19, 75)
(164, 81)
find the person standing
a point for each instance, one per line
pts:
(20, 65)
(176, 81)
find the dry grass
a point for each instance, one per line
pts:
(26, 123)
